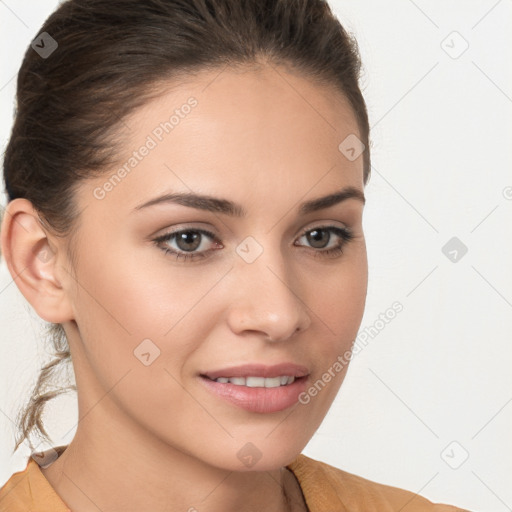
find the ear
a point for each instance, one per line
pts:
(35, 261)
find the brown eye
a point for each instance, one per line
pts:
(187, 242)
(318, 238)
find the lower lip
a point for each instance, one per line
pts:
(262, 400)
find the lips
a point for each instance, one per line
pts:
(258, 370)
(262, 400)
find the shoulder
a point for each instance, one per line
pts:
(15, 493)
(327, 488)
(29, 490)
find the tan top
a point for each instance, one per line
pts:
(325, 489)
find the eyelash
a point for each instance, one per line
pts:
(344, 233)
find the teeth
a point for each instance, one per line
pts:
(258, 382)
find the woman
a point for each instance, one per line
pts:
(186, 189)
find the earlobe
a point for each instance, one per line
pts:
(32, 260)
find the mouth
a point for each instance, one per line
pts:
(256, 394)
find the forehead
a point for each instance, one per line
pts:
(237, 129)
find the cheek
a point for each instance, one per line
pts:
(129, 312)
(139, 295)
(138, 329)
(338, 297)
(339, 301)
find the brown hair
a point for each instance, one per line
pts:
(111, 57)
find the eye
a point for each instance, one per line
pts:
(189, 243)
(320, 236)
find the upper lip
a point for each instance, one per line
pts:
(259, 370)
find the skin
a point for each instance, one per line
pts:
(267, 139)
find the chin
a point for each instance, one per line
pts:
(258, 455)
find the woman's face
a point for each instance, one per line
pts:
(252, 283)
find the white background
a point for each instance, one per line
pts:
(441, 148)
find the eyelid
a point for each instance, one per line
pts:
(205, 232)
(323, 224)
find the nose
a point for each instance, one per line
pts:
(265, 299)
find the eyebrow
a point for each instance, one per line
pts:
(227, 207)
